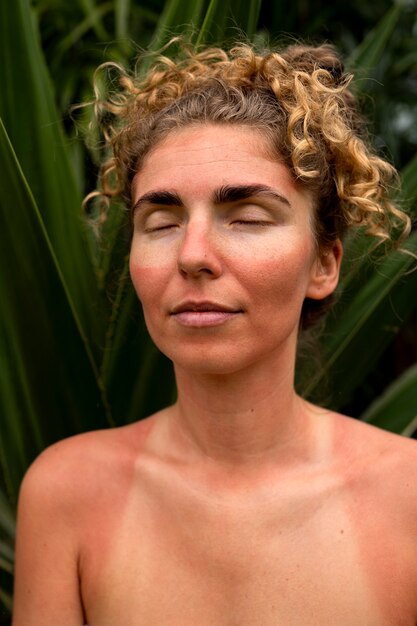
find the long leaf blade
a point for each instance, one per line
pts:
(45, 366)
(370, 50)
(29, 114)
(364, 322)
(121, 9)
(396, 408)
(225, 18)
(177, 18)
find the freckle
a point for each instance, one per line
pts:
(341, 531)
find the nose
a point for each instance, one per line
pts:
(198, 255)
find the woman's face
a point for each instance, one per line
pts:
(223, 251)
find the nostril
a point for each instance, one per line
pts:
(193, 268)
(199, 265)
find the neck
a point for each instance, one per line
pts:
(249, 417)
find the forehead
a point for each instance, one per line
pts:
(196, 159)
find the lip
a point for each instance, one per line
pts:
(205, 305)
(203, 314)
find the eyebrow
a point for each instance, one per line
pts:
(161, 197)
(234, 193)
(223, 195)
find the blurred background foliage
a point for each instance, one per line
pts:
(74, 354)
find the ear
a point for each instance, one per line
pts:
(325, 271)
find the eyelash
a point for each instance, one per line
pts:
(159, 228)
(239, 222)
(252, 222)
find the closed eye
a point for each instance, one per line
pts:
(160, 220)
(155, 229)
(254, 222)
(250, 214)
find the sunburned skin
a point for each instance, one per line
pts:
(242, 504)
(167, 542)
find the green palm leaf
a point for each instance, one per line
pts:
(90, 9)
(49, 386)
(177, 18)
(363, 324)
(121, 9)
(369, 52)
(7, 537)
(33, 125)
(225, 18)
(396, 408)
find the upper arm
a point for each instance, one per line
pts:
(46, 574)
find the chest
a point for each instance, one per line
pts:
(183, 559)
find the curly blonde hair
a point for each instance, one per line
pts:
(299, 98)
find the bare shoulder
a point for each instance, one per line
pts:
(77, 481)
(69, 498)
(74, 470)
(380, 463)
(369, 440)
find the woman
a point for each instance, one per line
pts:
(241, 503)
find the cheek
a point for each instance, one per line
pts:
(147, 280)
(281, 276)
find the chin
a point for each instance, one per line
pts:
(225, 355)
(215, 360)
(202, 362)
(209, 367)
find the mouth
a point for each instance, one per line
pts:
(200, 314)
(200, 307)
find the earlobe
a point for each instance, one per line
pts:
(326, 269)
